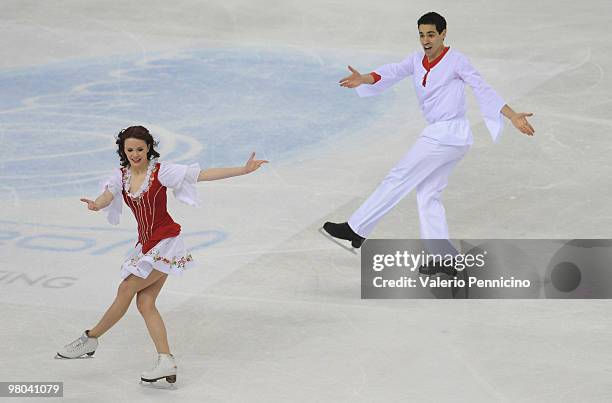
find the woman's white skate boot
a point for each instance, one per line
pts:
(81, 346)
(164, 368)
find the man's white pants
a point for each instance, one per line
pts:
(426, 167)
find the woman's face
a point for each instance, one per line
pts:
(136, 151)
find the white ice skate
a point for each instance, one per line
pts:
(164, 368)
(78, 348)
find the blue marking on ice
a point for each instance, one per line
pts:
(70, 238)
(40, 242)
(211, 106)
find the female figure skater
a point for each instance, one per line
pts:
(142, 182)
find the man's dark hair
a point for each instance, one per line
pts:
(432, 18)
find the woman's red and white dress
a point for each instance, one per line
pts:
(160, 245)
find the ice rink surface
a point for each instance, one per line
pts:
(272, 312)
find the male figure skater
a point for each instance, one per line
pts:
(439, 76)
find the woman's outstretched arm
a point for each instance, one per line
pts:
(102, 201)
(213, 174)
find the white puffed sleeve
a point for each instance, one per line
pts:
(182, 180)
(114, 185)
(489, 101)
(390, 74)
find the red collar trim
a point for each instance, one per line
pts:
(430, 65)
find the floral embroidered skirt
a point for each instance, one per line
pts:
(169, 256)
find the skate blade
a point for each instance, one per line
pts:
(153, 384)
(334, 240)
(83, 357)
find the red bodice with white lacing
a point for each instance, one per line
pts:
(149, 208)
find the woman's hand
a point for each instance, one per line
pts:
(91, 205)
(252, 164)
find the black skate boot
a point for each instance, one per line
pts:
(344, 231)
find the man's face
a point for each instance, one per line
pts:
(431, 40)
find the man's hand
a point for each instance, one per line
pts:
(354, 80)
(519, 120)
